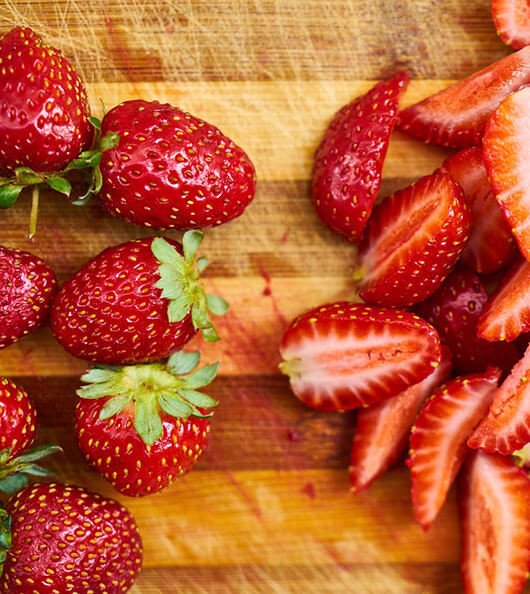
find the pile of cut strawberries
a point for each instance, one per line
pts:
(434, 351)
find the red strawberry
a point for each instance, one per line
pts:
(142, 426)
(18, 419)
(67, 539)
(349, 160)
(512, 21)
(506, 427)
(454, 310)
(491, 245)
(507, 314)
(171, 170)
(438, 439)
(494, 502)
(345, 355)
(456, 117)
(136, 302)
(381, 431)
(413, 240)
(27, 289)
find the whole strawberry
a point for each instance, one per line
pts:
(136, 302)
(27, 289)
(142, 426)
(171, 170)
(58, 539)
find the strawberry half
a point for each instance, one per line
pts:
(512, 21)
(495, 525)
(456, 116)
(349, 160)
(382, 431)
(344, 355)
(438, 439)
(413, 240)
(491, 245)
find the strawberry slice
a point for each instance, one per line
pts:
(495, 525)
(438, 439)
(349, 160)
(512, 21)
(382, 431)
(507, 314)
(506, 427)
(345, 355)
(456, 116)
(491, 245)
(413, 240)
(454, 310)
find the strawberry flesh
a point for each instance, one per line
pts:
(512, 21)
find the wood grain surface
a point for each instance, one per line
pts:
(268, 509)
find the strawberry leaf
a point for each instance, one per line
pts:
(59, 184)
(38, 453)
(9, 195)
(191, 241)
(183, 362)
(10, 485)
(217, 305)
(97, 375)
(147, 420)
(174, 406)
(202, 377)
(109, 141)
(202, 263)
(198, 398)
(115, 405)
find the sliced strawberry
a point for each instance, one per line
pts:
(507, 314)
(491, 245)
(506, 427)
(456, 116)
(454, 310)
(345, 355)
(438, 439)
(349, 160)
(512, 21)
(495, 525)
(413, 240)
(522, 456)
(381, 431)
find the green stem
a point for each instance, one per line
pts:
(34, 215)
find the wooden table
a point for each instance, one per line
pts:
(268, 509)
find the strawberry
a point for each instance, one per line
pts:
(142, 426)
(506, 427)
(507, 314)
(491, 245)
(456, 116)
(438, 439)
(136, 302)
(349, 160)
(522, 456)
(171, 170)
(58, 538)
(512, 21)
(345, 355)
(495, 524)
(454, 310)
(27, 289)
(413, 240)
(381, 431)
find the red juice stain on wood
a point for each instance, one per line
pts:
(309, 490)
(292, 435)
(267, 292)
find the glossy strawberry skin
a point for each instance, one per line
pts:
(171, 170)
(44, 109)
(349, 160)
(67, 539)
(112, 312)
(27, 289)
(18, 418)
(115, 450)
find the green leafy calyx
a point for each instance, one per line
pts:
(15, 472)
(522, 456)
(5, 536)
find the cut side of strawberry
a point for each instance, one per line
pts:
(495, 525)
(491, 245)
(413, 240)
(507, 314)
(438, 439)
(382, 431)
(344, 355)
(456, 116)
(512, 21)
(506, 428)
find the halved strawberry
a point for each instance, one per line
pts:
(491, 245)
(456, 116)
(438, 439)
(413, 240)
(345, 355)
(382, 431)
(512, 21)
(349, 160)
(495, 525)
(507, 314)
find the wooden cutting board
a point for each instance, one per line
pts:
(268, 509)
